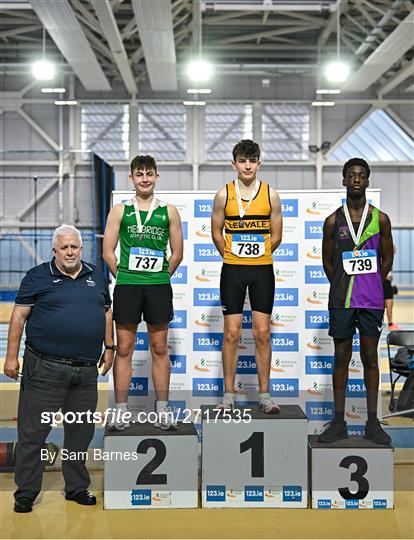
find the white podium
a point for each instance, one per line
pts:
(146, 467)
(351, 473)
(257, 463)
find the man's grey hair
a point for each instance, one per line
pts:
(65, 230)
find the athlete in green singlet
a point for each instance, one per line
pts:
(144, 227)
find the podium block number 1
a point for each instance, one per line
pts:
(255, 443)
(257, 463)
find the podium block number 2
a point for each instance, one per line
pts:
(255, 443)
(147, 476)
(356, 476)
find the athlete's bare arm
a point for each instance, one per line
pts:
(176, 239)
(387, 245)
(111, 237)
(328, 246)
(276, 224)
(217, 220)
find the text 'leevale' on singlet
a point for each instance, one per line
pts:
(143, 259)
(357, 281)
(247, 237)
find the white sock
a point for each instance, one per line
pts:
(160, 405)
(115, 417)
(263, 396)
(229, 396)
(121, 406)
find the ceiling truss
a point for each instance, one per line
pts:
(253, 34)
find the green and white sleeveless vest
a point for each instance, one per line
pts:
(143, 259)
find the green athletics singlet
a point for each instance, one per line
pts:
(143, 258)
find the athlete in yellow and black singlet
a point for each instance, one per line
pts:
(246, 227)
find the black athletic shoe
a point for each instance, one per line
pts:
(23, 505)
(375, 433)
(334, 432)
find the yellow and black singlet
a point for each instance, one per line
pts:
(247, 239)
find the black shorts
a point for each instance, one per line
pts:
(154, 302)
(344, 321)
(388, 290)
(234, 281)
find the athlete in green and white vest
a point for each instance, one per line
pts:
(146, 229)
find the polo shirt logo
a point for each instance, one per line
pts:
(90, 282)
(57, 280)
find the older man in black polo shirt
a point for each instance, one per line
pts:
(65, 306)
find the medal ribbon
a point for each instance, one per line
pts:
(242, 211)
(140, 225)
(356, 238)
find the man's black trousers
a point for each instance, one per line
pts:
(45, 388)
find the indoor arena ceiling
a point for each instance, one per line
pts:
(134, 40)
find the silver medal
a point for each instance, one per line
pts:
(241, 224)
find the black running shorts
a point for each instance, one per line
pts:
(344, 321)
(153, 302)
(235, 279)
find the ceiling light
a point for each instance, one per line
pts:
(199, 70)
(189, 103)
(337, 72)
(43, 70)
(323, 103)
(66, 102)
(53, 90)
(199, 91)
(328, 91)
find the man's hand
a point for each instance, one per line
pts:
(106, 361)
(11, 367)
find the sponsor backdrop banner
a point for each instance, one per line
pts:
(302, 351)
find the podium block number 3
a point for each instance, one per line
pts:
(255, 443)
(147, 476)
(356, 476)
